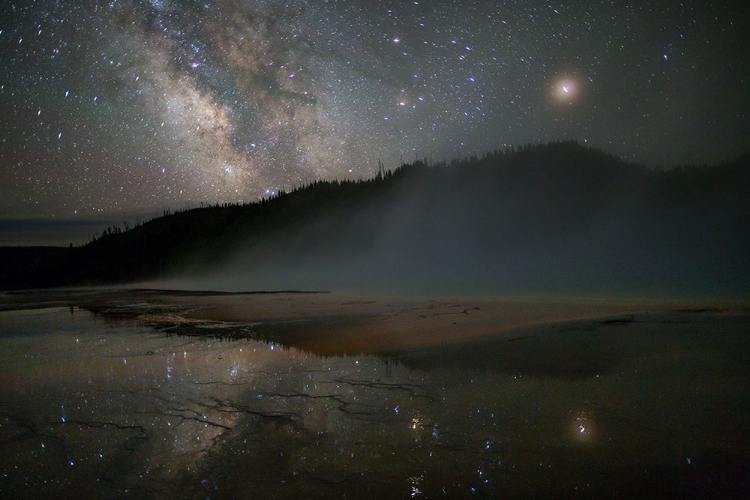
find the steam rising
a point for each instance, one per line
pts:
(555, 219)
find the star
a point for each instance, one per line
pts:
(565, 90)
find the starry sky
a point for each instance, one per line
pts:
(125, 106)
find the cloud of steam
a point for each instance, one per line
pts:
(530, 229)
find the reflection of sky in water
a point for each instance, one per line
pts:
(120, 409)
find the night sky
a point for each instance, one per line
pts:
(114, 107)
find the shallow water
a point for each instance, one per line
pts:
(115, 408)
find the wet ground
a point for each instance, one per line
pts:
(135, 399)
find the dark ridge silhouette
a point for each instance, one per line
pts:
(549, 218)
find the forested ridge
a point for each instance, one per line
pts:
(558, 216)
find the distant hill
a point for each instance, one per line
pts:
(542, 219)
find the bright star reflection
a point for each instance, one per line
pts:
(582, 427)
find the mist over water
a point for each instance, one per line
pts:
(541, 224)
(555, 218)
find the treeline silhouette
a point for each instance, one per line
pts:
(551, 217)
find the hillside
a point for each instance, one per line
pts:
(551, 218)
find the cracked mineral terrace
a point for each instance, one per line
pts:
(115, 393)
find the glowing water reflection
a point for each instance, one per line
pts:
(120, 409)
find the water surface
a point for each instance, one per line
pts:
(105, 406)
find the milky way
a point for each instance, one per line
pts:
(121, 106)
